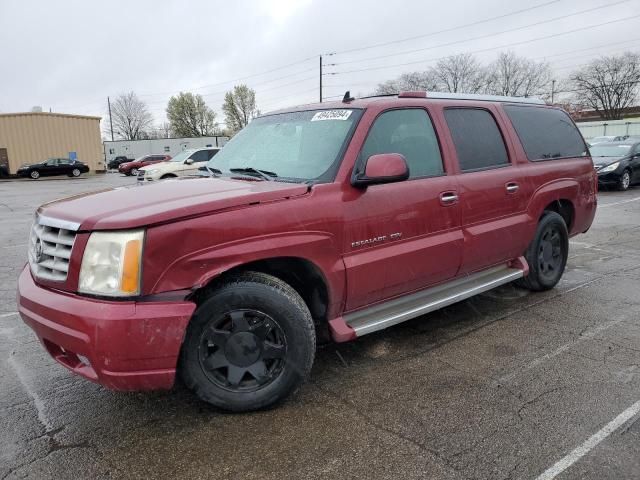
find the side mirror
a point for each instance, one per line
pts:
(188, 161)
(382, 168)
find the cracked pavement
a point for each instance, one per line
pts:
(500, 386)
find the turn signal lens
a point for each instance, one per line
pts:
(131, 267)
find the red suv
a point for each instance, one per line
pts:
(337, 219)
(131, 168)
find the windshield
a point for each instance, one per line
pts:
(297, 145)
(605, 150)
(182, 156)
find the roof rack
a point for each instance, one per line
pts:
(471, 96)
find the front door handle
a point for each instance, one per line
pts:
(448, 198)
(512, 187)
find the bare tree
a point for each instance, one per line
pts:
(239, 108)
(609, 84)
(190, 116)
(517, 76)
(130, 116)
(459, 73)
(407, 82)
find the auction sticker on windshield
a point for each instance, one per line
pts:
(331, 115)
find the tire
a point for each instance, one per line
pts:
(249, 345)
(35, 174)
(133, 171)
(75, 172)
(624, 182)
(547, 254)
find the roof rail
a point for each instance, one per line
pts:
(472, 96)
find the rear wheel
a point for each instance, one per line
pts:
(35, 174)
(547, 254)
(624, 182)
(75, 172)
(249, 345)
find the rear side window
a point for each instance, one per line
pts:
(479, 144)
(546, 133)
(410, 133)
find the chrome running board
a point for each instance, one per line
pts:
(413, 305)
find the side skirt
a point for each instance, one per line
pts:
(404, 308)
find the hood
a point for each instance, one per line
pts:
(169, 166)
(600, 162)
(142, 205)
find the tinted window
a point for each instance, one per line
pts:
(200, 156)
(477, 138)
(546, 133)
(211, 153)
(64, 161)
(410, 133)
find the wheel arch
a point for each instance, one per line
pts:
(555, 196)
(303, 275)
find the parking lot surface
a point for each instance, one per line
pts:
(509, 384)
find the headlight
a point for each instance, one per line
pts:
(112, 263)
(610, 168)
(151, 172)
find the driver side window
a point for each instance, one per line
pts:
(410, 133)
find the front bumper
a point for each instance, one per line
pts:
(609, 178)
(122, 345)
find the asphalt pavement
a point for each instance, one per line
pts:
(509, 384)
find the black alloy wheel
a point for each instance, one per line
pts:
(242, 350)
(550, 259)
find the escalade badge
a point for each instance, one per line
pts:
(374, 240)
(38, 251)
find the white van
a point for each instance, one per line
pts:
(185, 163)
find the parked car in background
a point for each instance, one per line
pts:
(617, 163)
(53, 166)
(131, 168)
(333, 220)
(604, 139)
(4, 171)
(185, 163)
(115, 163)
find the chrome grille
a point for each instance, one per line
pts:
(50, 248)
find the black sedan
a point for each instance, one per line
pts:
(617, 163)
(53, 166)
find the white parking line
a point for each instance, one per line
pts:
(37, 401)
(4, 315)
(605, 205)
(591, 443)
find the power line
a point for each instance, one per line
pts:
(233, 80)
(384, 44)
(493, 34)
(566, 32)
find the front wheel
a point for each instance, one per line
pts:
(547, 254)
(624, 182)
(249, 345)
(133, 172)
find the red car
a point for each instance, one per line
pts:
(331, 220)
(131, 168)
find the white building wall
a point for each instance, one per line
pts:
(171, 146)
(609, 127)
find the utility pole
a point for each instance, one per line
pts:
(320, 78)
(110, 119)
(553, 90)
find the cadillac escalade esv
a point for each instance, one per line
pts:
(331, 220)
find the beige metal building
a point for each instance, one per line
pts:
(33, 137)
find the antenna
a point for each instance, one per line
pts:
(347, 97)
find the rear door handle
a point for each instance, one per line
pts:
(512, 187)
(448, 198)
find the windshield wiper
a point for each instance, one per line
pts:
(213, 171)
(264, 174)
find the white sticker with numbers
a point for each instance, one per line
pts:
(331, 115)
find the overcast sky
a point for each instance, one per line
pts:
(70, 55)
